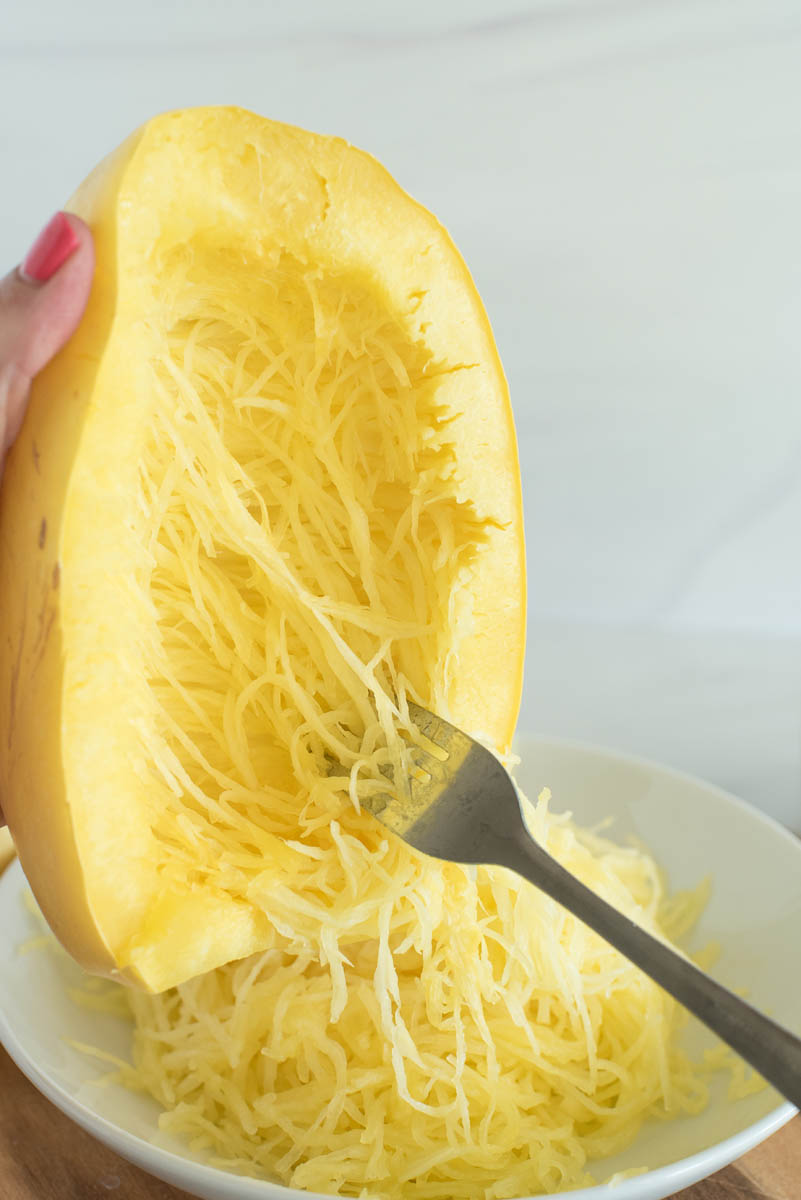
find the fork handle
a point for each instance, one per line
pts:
(773, 1051)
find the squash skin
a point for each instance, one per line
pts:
(32, 506)
(336, 195)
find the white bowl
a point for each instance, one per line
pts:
(694, 829)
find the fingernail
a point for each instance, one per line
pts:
(57, 241)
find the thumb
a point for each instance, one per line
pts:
(41, 303)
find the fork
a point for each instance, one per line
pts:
(463, 807)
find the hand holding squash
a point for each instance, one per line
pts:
(41, 303)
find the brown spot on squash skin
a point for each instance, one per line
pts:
(43, 533)
(35, 450)
(56, 576)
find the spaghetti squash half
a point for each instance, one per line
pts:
(267, 492)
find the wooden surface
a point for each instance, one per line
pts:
(44, 1156)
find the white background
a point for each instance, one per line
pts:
(623, 178)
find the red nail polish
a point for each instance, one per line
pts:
(57, 241)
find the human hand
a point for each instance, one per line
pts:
(41, 303)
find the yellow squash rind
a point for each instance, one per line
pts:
(67, 541)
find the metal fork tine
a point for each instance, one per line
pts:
(438, 730)
(424, 760)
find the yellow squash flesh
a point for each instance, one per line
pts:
(227, 198)
(6, 848)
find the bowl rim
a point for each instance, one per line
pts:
(577, 745)
(187, 1173)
